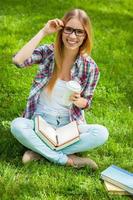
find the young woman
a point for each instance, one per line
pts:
(67, 59)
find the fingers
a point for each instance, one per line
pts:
(74, 97)
(60, 22)
(57, 23)
(53, 26)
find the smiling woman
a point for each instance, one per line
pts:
(73, 34)
(67, 59)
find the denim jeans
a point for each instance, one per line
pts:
(91, 136)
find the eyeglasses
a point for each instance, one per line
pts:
(78, 32)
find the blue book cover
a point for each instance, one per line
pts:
(119, 177)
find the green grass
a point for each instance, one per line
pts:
(112, 104)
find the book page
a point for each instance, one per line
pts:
(111, 187)
(47, 130)
(67, 132)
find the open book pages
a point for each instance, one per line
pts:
(45, 128)
(67, 132)
(59, 138)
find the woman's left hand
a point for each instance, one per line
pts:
(78, 100)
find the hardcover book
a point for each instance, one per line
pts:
(119, 177)
(113, 189)
(59, 138)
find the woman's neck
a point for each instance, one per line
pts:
(69, 57)
(69, 54)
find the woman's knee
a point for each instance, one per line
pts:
(19, 124)
(16, 124)
(103, 133)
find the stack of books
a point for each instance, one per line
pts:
(118, 180)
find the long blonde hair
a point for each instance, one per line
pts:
(85, 48)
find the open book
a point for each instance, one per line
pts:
(59, 138)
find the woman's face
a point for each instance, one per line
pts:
(73, 34)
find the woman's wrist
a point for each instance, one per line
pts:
(43, 32)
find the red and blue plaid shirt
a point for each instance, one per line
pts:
(84, 70)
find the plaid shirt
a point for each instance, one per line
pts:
(84, 70)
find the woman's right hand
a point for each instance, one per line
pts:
(53, 26)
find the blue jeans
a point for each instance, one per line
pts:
(91, 136)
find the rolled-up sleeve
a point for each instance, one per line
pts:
(36, 58)
(93, 78)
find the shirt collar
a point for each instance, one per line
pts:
(79, 60)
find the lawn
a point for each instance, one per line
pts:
(112, 105)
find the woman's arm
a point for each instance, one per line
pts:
(26, 51)
(84, 101)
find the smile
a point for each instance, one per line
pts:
(71, 42)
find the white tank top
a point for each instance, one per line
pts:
(54, 104)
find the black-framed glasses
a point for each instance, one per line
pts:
(69, 30)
